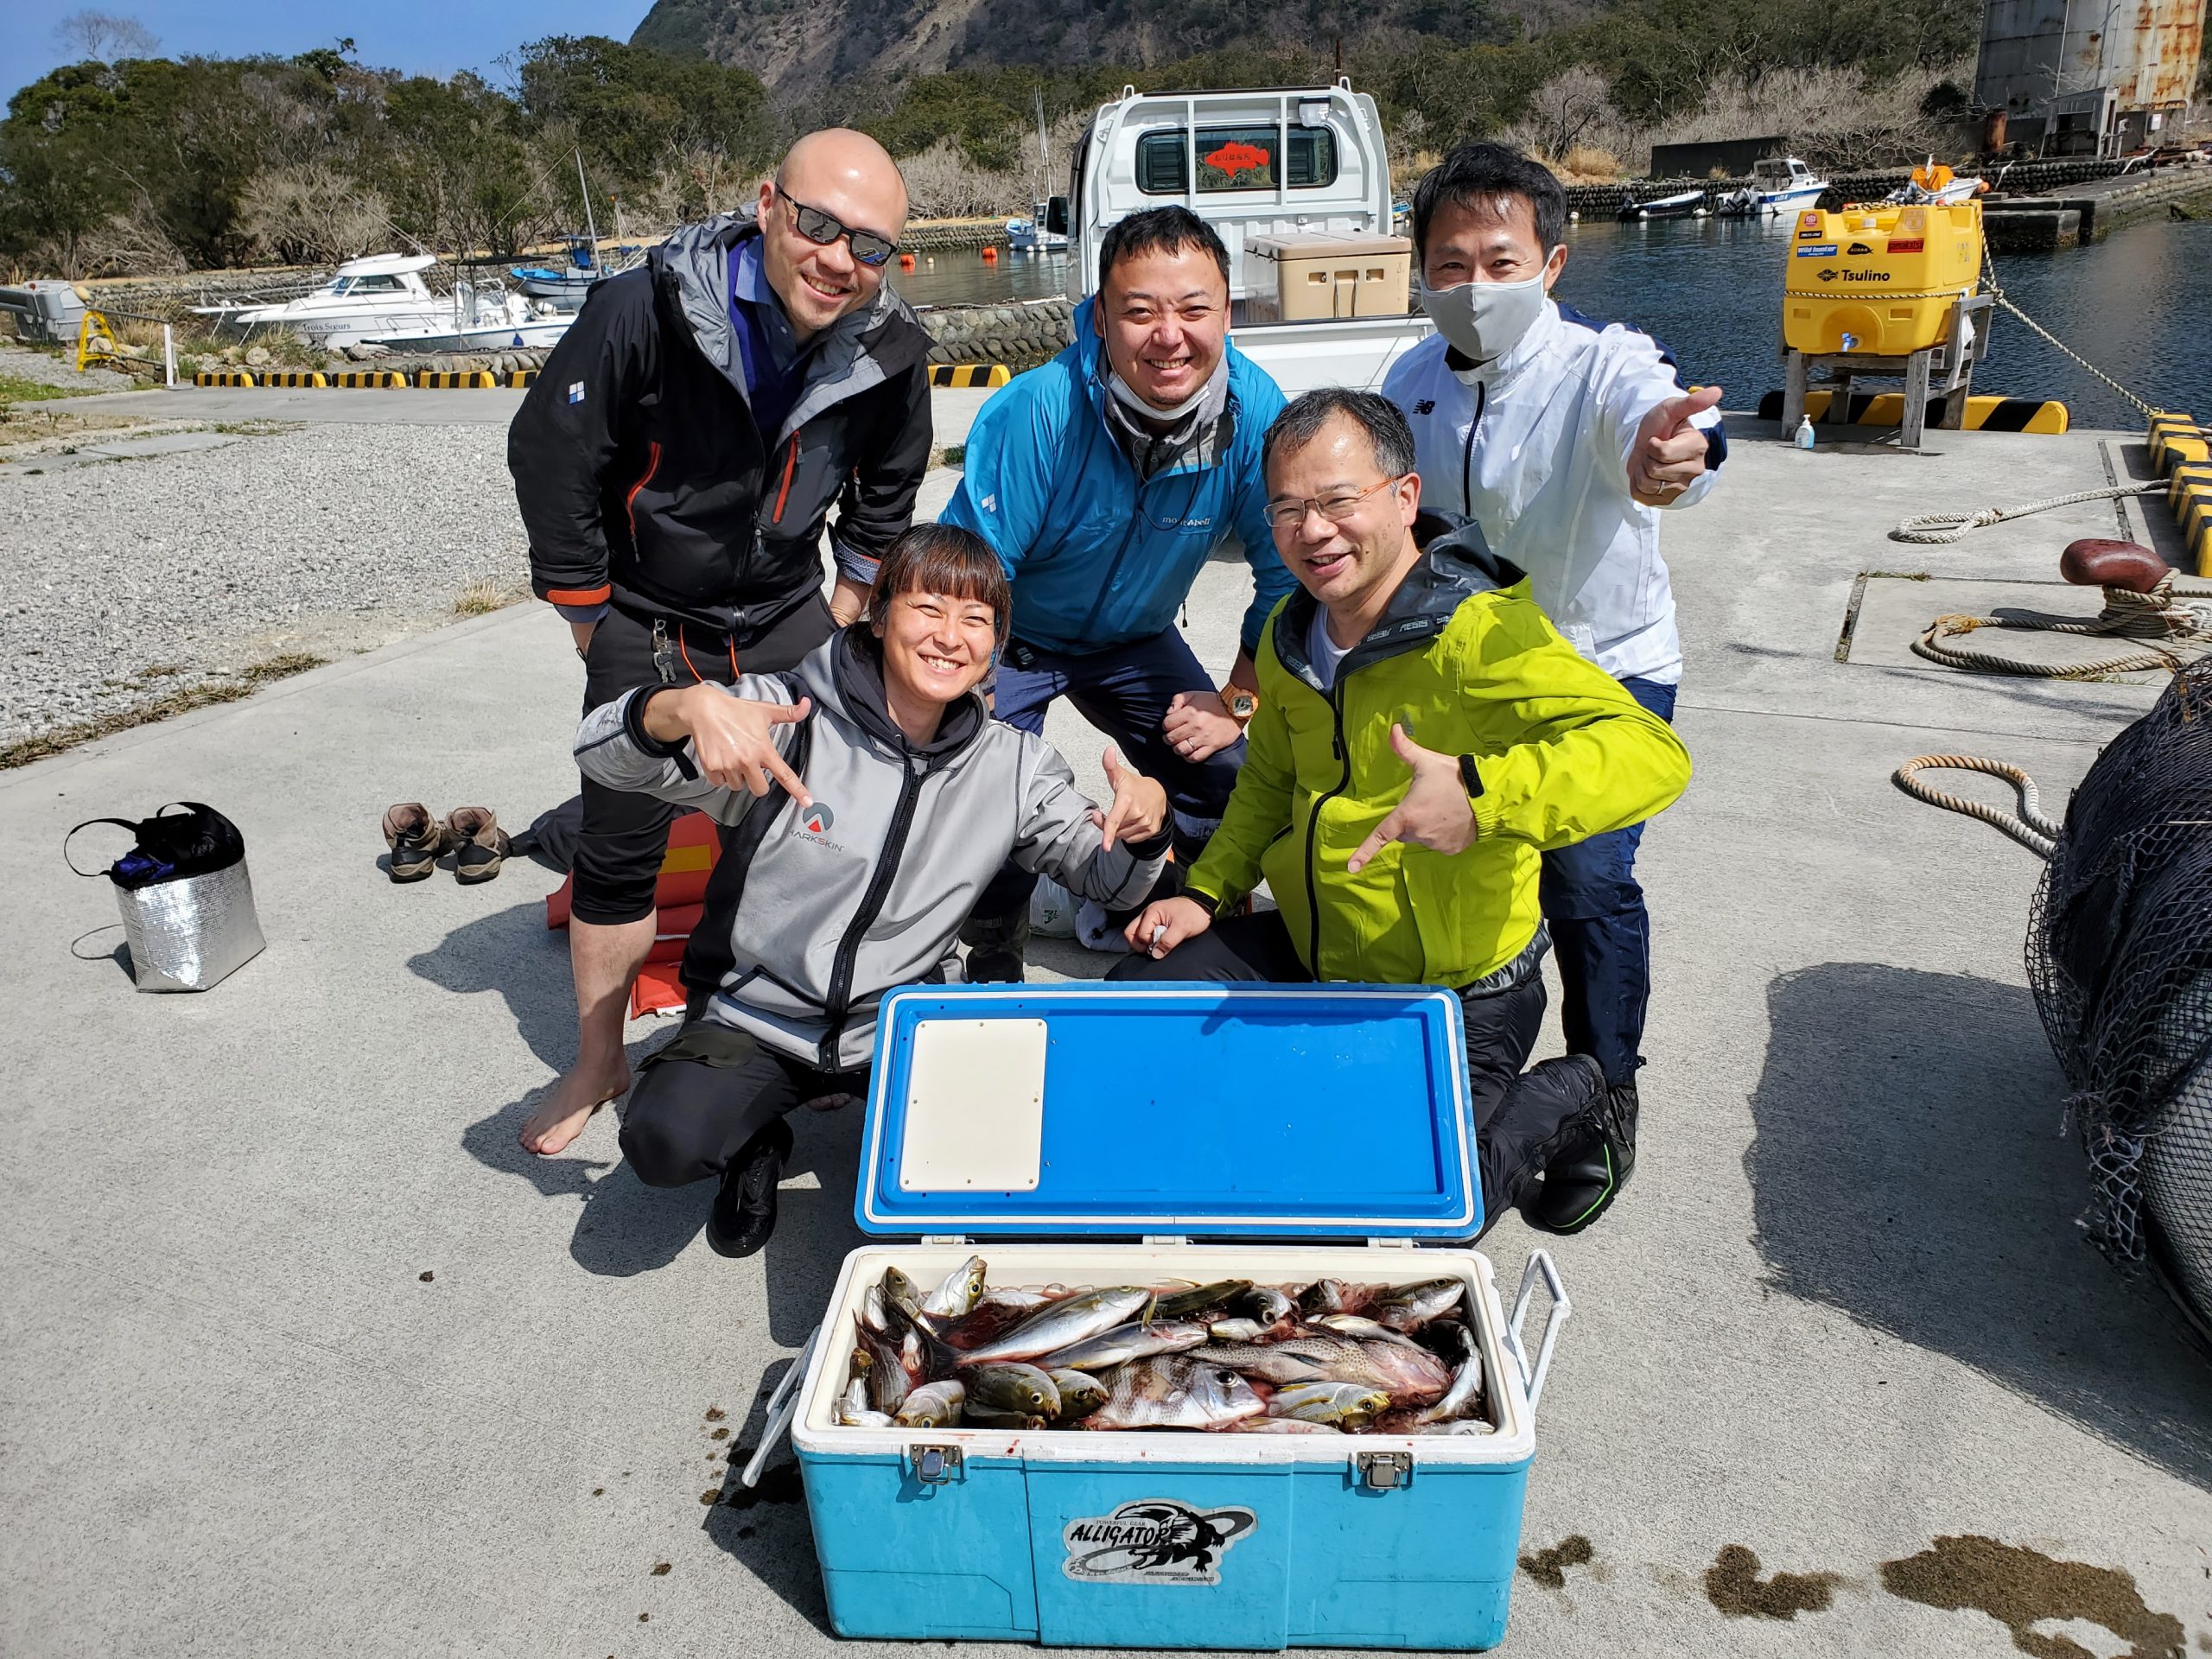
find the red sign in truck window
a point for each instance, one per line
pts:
(1236, 156)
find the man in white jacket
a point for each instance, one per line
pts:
(1566, 440)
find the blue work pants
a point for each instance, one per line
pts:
(1124, 691)
(1602, 933)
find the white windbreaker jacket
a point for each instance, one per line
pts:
(1534, 447)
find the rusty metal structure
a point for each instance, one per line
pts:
(2087, 77)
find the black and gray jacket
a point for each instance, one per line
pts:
(810, 917)
(643, 478)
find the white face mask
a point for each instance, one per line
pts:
(1126, 395)
(1485, 321)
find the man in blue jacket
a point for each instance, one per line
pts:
(1104, 482)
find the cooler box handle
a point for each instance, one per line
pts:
(1532, 1377)
(783, 1406)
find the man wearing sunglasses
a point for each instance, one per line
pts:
(676, 462)
(1424, 737)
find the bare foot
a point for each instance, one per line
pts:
(563, 1117)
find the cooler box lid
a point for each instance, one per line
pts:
(1326, 245)
(1252, 1112)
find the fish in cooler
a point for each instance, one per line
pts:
(1176, 1391)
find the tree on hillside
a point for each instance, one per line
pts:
(104, 37)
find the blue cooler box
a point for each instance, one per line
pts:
(1156, 1133)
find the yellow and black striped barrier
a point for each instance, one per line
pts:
(223, 377)
(2189, 492)
(452, 378)
(1887, 409)
(969, 374)
(523, 377)
(293, 378)
(2176, 440)
(380, 378)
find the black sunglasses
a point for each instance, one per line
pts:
(821, 229)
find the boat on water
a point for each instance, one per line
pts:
(1933, 182)
(1687, 204)
(1034, 234)
(484, 319)
(1780, 185)
(384, 294)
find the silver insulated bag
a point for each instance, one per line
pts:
(186, 899)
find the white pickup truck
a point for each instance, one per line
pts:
(1254, 163)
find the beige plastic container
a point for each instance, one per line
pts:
(1318, 276)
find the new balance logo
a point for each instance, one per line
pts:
(1427, 406)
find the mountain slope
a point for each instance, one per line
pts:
(810, 46)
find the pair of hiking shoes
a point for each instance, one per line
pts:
(418, 840)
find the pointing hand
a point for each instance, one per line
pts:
(1434, 811)
(733, 737)
(1139, 811)
(1670, 451)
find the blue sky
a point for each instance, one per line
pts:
(421, 36)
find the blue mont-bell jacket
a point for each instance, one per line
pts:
(1096, 561)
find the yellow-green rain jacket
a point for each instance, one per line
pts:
(1464, 660)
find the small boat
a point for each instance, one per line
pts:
(569, 285)
(1687, 204)
(1030, 233)
(1780, 186)
(381, 295)
(487, 319)
(1934, 182)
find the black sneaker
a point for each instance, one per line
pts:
(1582, 1182)
(996, 947)
(745, 1209)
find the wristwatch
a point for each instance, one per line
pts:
(1241, 704)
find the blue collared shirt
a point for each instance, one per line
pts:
(773, 359)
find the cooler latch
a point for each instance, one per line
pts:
(1383, 1472)
(1167, 1238)
(932, 1465)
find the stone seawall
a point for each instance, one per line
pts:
(1020, 335)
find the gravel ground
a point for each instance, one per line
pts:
(50, 370)
(131, 580)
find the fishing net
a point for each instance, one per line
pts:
(2119, 954)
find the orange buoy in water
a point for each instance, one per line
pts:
(905, 262)
(990, 256)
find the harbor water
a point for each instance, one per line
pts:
(1711, 291)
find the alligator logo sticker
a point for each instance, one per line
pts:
(1153, 1540)
(1236, 156)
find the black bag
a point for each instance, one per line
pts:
(196, 842)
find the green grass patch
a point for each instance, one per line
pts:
(14, 389)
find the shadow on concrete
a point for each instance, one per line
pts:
(765, 1527)
(1908, 1171)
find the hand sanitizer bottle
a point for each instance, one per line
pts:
(1803, 437)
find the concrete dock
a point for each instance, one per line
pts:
(302, 1354)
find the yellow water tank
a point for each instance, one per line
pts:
(1879, 278)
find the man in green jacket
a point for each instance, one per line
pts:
(1423, 735)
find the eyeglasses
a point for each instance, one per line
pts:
(1333, 509)
(822, 229)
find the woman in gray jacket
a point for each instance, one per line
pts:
(867, 798)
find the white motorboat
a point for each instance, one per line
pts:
(1034, 235)
(487, 319)
(1685, 204)
(382, 295)
(1936, 183)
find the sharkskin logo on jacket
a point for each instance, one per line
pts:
(1153, 1540)
(813, 825)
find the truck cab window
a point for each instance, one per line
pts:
(1235, 158)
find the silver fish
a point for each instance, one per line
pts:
(1342, 1405)
(1335, 1296)
(1026, 1297)
(1405, 1306)
(877, 1361)
(987, 1417)
(1360, 1328)
(1466, 1390)
(854, 1410)
(934, 1405)
(1125, 1343)
(1181, 1303)
(1237, 1330)
(899, 1288)
(1081, 1393)
(1266, 1305)
(1281, 1426)
(1073, 1319)
(1409, 1374)
(875, 1310)
(1010, 1385)
(1462, 1425)
(958, 1294)
(1175, 1391)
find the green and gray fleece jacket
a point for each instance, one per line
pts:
(811, 916)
